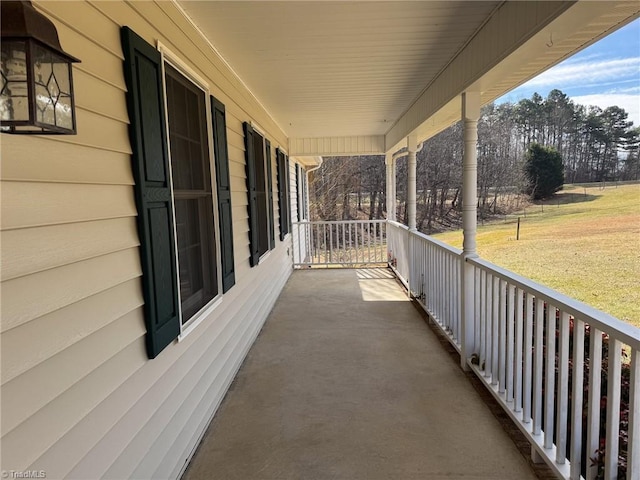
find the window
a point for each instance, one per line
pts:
(283, 193)
(192, 193)
(186, 263)
(260, 189)
(301, 192)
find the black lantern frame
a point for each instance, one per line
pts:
(36, 78)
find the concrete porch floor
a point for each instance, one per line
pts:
(347, 382)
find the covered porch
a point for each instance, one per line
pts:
(347, 381)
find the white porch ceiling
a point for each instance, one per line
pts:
(337, 68)
(369, 72)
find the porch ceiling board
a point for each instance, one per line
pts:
(328, 69)
(365, 69)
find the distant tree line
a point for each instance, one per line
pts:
(595, 145)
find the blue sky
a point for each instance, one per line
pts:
(604, 74)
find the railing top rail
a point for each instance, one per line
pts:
(437, 243)
(397, 224)
(334, 222)
(610, 325)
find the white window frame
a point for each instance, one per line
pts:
(174, 60)
(270, 221)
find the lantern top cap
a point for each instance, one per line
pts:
(20, 20)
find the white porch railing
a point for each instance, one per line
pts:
(434, 278)
(339, 243)
(524, 330)
(521, 331)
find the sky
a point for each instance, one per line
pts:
(604, 74)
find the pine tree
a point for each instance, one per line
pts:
(543, 170)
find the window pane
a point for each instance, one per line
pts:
(187, 133)
(196, 257)
(193, 200)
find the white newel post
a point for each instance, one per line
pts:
(388, 161)
(412, 146)
(394, 190)
(470, 115)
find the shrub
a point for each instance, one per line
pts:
(543, 171)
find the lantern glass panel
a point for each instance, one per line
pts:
(52, 78)
(14, 91)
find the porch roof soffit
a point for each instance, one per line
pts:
(352, 78)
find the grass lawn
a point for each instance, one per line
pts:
(585, 244)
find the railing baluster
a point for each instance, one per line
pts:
(577, 398)
(502, 353)
(343, 246)
(528, 357)
(562, 389)
(458, 295)
(449, 301)
(438, 309)
(318, 243)
(355, 231)
(613, 409)
(443, 288)
(480, 280)
(375, 242)
(633, 448)
(519, 340)
(478, 310)
(593, 405)
(331, 243)
(538, 353)
(368, 241)
(495, 331)
(362, 240)
(488, 371)
(510, 340)
(430, 270)
(549, 376)
(451, 306)
(349, 242)
(326, 245)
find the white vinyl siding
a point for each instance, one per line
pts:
(80, 398)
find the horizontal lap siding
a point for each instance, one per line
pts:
(80, 398)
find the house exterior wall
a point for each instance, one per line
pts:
(80, 399)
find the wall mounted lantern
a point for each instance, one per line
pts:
(36, 84)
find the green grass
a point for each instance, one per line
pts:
(585, 244)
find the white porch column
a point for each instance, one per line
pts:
(388, 161)
(470, 116)
(394, 186)
(412, 146)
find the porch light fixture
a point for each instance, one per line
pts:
(36, 84)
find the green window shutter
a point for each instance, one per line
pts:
(147, 132)
(282, 193)
(298, 193)
(224, 193)
(252, 207)
(287, 179)
(303, 187)
(270, 194)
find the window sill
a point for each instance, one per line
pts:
(197, 319)
(265, 256)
